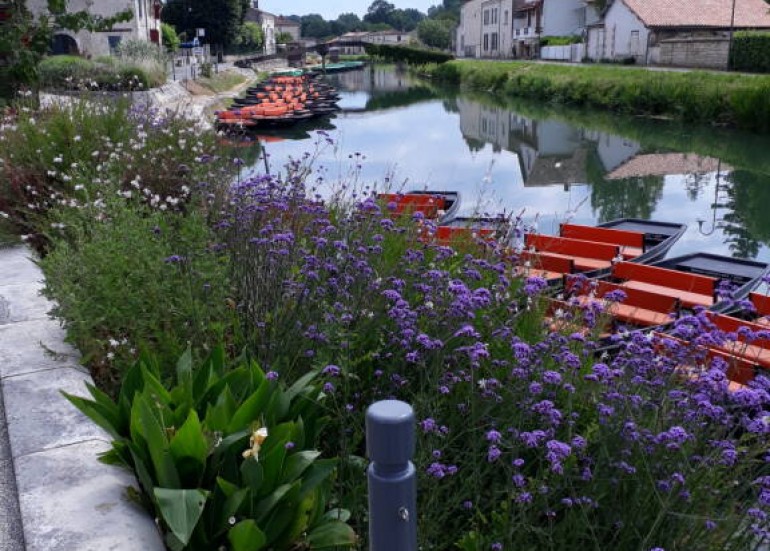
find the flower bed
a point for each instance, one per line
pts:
(528, 436)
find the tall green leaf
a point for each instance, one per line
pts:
(250, 410)
(246, 536)
(157, 444)
(189, 442)
(331, 535)
(181, 510)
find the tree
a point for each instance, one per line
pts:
(435, 32)
(315, 26)
(346, 23)
(284, 38)
(379, 12)
(222, 19)
(250, 37)
(170, 38)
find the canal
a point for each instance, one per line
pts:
(552, 163)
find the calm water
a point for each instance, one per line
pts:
(555, 164)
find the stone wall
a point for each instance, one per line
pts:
(705, 52)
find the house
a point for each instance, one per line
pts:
(485, 29)
(694, 33)
(284, 25)
(535, 19)
(268, 23)
(352, 43)
(513, 28)
(144, 25)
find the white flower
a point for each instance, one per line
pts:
(77, 138)
(58, 159)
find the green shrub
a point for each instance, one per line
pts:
(105, 73)
(406, 54)
(751, 52)
(170, 38)
(699, 97)
(560, 40)
(224, 456)
(64, 71)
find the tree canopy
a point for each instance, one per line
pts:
(222, 19)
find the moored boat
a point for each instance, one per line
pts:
(652, 296)
(592, 250)
(434, 205)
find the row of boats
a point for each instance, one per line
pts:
(280, 101)
(620, 268)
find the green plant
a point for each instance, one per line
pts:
(171, 39)
(406, 54)
(560, 40)
(225, 456)
(749, 52)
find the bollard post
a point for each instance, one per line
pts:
(392, 476)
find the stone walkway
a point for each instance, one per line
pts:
(67, 499)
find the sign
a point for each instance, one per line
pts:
(197, 51)
(200, 33)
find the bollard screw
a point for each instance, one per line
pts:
(403, 513)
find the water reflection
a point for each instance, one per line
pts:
(554, 163)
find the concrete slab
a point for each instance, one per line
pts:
(22, 302)
(35, 346)
(40, 418)
(11, 532)
(17, 267)
(70, 502)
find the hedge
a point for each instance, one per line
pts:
(416, 56)
(751, 52)
(75, 73)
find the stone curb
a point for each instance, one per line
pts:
(68, 500)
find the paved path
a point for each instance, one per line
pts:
(67, 499)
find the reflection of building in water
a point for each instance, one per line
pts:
(374, 80)
(550, 152)
(663, 164)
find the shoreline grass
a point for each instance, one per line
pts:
(733, 100)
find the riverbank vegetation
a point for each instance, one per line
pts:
(240, 327)
(697, 97)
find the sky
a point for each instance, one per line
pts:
(330, 10)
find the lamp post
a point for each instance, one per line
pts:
(730, 44)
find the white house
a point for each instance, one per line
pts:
(513, 28)
(687, 32)
(145, 25)
(284, 25)
(268, 23)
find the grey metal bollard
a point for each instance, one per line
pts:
(390, 426)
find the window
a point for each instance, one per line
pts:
(505, 17)
(140, 3)
(114, 41)
(494, 42)
(529, 19)
(486, 42)
(494, 16)
(486, 17)
(633, 46)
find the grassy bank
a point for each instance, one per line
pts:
(698, 97)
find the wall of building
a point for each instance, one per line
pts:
(626, 35)
(563, 17)
(469, 30)
(101, 43)
(711, 53)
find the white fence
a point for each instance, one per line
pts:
(572, 52)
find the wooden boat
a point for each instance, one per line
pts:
(741, 343)
(435, 205)
(654, 294)
(469, 230)
(592, 250)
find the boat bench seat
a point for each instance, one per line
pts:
(688, 299)
(761, 302)
(631, 243)
(640, 307)
(763, 321)
(588, 255)
(740, 370)
(521, 271)
(691, 289)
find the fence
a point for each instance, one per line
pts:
(572, 52)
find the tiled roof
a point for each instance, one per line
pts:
(662, 164)
(701, 13)
(286, 22)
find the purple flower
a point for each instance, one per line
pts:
(331, 370)
(271, 376)
(493, 454)
(174, 259)
(494, 436)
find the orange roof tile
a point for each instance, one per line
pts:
(701, 13)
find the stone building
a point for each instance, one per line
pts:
(145, 25)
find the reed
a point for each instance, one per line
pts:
(734, 100)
